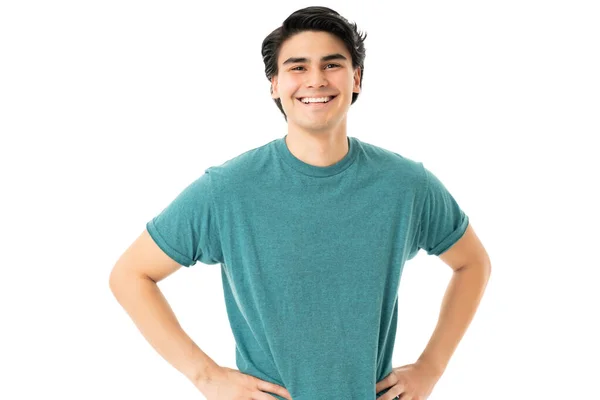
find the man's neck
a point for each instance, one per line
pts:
(320, 149)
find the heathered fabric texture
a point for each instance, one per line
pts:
(311, 258)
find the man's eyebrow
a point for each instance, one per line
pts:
(336, 56)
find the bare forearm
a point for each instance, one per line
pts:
(459, 305)
(148, 308)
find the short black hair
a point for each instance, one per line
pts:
(314, 18)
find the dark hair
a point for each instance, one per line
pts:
(314, 19)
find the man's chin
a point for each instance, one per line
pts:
(315, 123)
(315, 127)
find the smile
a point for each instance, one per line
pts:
(317, 103)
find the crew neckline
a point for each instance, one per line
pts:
(313, 170)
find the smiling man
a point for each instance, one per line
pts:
(311, 231)
(315, 91)
(314, 86)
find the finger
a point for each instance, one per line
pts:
(398, 391)
(401, 388)
(263, 396)
(273, 388)
(384, 383)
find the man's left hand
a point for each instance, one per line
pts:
(409, 382)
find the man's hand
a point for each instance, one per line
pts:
(226, 383)
(409, 382)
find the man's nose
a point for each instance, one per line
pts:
(316, 78)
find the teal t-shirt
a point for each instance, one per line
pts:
(311, 258)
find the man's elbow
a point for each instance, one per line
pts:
(122, 279)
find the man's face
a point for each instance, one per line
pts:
(307, 71)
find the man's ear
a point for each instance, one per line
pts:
(274, 87)
(357, 73)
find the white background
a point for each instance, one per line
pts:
(109, 109)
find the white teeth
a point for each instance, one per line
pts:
(307, 100)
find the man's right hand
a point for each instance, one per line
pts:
(226, 383)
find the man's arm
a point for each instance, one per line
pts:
(133, 282)
(472, 269)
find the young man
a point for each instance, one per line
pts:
(312, 231)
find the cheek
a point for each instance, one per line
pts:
(288, 88)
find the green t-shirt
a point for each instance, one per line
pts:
(311, 258)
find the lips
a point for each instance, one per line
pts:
(315, 97)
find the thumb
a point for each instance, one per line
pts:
(265, 386)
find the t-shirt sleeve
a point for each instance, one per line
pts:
(442, 220)
(187, 229)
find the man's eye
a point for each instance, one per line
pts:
(296, 68)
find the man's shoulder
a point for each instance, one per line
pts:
(244, 164)
(392, 160)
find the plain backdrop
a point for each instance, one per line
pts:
(109, 109)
